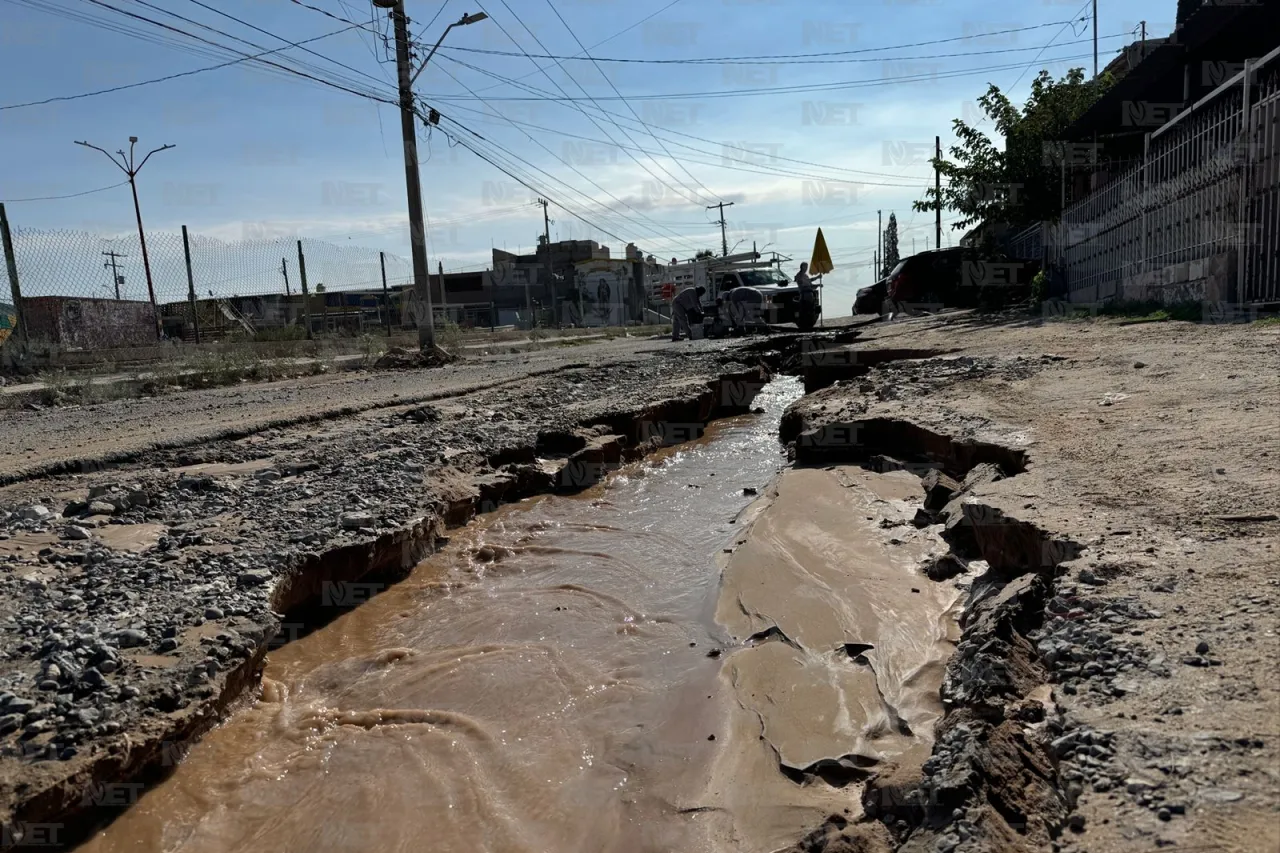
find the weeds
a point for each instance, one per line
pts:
(449, 336)
(371, 348)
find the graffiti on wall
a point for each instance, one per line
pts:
(8, 321)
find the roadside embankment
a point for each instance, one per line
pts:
(1109, 512)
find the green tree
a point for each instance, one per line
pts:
(705, 253)
(890, 246)
(1021, 182)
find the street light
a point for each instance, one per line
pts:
(127, 166)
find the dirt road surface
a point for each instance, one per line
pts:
(1031, 566)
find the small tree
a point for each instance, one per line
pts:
(1021, 182)
(890, 246)
(705, 253)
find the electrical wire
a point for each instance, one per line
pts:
(178, 30)
(55, 197)
(801, 59)
(1036, 58)
(167, 77)
(578, 41)
(540, 144)
(255, 27)
(777, 90)
(526, 182)
(581, 88)
(723, 165)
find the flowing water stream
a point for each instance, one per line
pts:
(552, 682)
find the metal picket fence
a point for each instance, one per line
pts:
(1202, 203)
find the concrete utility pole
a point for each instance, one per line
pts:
(551, 275)
(386, 296)
(191, 284)
(127, 166)
(115, 272)
(937, 190)
(724, 238)
(1095, 39)
(408, 131)
(444, 298)
(879, 237)
(11, 266)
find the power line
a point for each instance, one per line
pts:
(56, 197)
(329, 14)
(242, 22)
(800, 59)
(169, 27)
(559, 88)
(722, 165)
(1050, 42)
(621, 32)
(685, 169)
(816, 87)
(619, 214)
(167, 77)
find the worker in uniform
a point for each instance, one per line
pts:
(808, 291)
(687, 302)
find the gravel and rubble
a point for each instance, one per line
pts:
(138, 601)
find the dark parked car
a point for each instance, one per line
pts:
(956, 277)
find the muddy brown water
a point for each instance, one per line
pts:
(543, 683)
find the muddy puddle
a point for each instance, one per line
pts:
(569, 674)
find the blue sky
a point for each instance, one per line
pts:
(263, 155)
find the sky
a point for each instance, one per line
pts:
(623, 151)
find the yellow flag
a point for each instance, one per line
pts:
(821, 262)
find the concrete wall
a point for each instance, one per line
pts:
(1208, 280)
(90, 323)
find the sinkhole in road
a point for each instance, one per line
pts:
(666, 661)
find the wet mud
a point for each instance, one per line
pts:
(666, 661)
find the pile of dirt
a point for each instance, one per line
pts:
(400, 358)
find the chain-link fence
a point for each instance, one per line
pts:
(92, 291)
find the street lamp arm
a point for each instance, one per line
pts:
(108, 155)
(461, 22)
(148, 157)
(430, 54)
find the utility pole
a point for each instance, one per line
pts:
(937, 191)
(115, 272)
(724, 238)
(386, 297)
(306, 297)
(284, 270)
(409, 134)
(413, 181)
(879, 239)
(11, 266)
(551, 276)
(1095, 39)
(127, 166)
(444, 299)
(191, 284)
(1144, 38)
